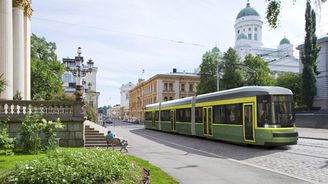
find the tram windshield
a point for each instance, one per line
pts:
(275, 111)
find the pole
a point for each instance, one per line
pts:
(218, 74)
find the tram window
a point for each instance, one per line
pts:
(165, 115)
(148, 116)
(156, 115)
(228, 114)
(233, 114)
(275, 111)
(183, 115)
(198, 115)
(219, 114)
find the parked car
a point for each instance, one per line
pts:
(108, 121)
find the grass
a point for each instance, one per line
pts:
(8, 162)
(157, 175)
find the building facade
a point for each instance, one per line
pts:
(15, 47)
(248, 40)
(321, 99)
(89, 82)
(124, 91)
(159, 88)
(115, 112)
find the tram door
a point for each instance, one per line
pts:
(207, 121)
(173, 114)
(248, 122)
(153, 120)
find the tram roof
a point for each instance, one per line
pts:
(241, 92)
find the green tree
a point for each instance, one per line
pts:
(2, 83)
(274, 8)
(309, 57)
(208, 73)
(257, 71)
(293, 82)
(46, 71)
(232, 73)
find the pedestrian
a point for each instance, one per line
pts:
(110, 135)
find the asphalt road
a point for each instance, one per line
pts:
(196, 161)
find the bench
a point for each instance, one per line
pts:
(118, 143)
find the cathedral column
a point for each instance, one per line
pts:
(27, 48)
(18, 44)
(6, 47)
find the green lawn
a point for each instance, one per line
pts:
(157, 175)
(8, 162)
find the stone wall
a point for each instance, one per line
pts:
(72, 135)
(312, 120)
(70, 114)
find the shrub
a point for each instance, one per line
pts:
(90, 112)
(63, 97)
(30, 131)
(6, 143)
(77, 166)
(49, 129)
(18, 96)
(32, 128)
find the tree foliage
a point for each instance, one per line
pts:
(293, 82)
(2, 83)
(230, 67)
(208, 73)
(46, 71)
(309, 57)
(257, 72)
(274, 9)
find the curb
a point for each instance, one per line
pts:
(314, 138)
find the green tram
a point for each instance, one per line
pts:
(260, 115)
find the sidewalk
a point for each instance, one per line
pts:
(313, 133)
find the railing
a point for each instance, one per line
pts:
(16, 110)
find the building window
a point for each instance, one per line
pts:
(165, 87)
(249, 36)
(170, 87)
(191, 87)
(67, 78)
(171, 98)
(182, 87)
(249, 29)
(238, 31)
(255, 29)
(255, 36)
(165, 98)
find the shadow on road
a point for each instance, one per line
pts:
(205, 147)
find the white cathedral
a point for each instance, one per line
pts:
(248, 40)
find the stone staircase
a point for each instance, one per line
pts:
(93, 138)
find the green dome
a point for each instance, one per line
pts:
(215, 49)
(248, 11)
(241, 36)
(284, 41)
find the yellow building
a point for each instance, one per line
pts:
(159, 88)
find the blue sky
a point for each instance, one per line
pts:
(124, 37)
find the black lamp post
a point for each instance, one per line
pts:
(79, 70)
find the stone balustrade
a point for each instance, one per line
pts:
(70, 114)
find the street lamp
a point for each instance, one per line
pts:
(78, 69)
(218, 73)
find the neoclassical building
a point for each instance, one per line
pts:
(124, 91)
(15, 43)
(160, 88)
(248, 40)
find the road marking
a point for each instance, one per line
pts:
(233, 160)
